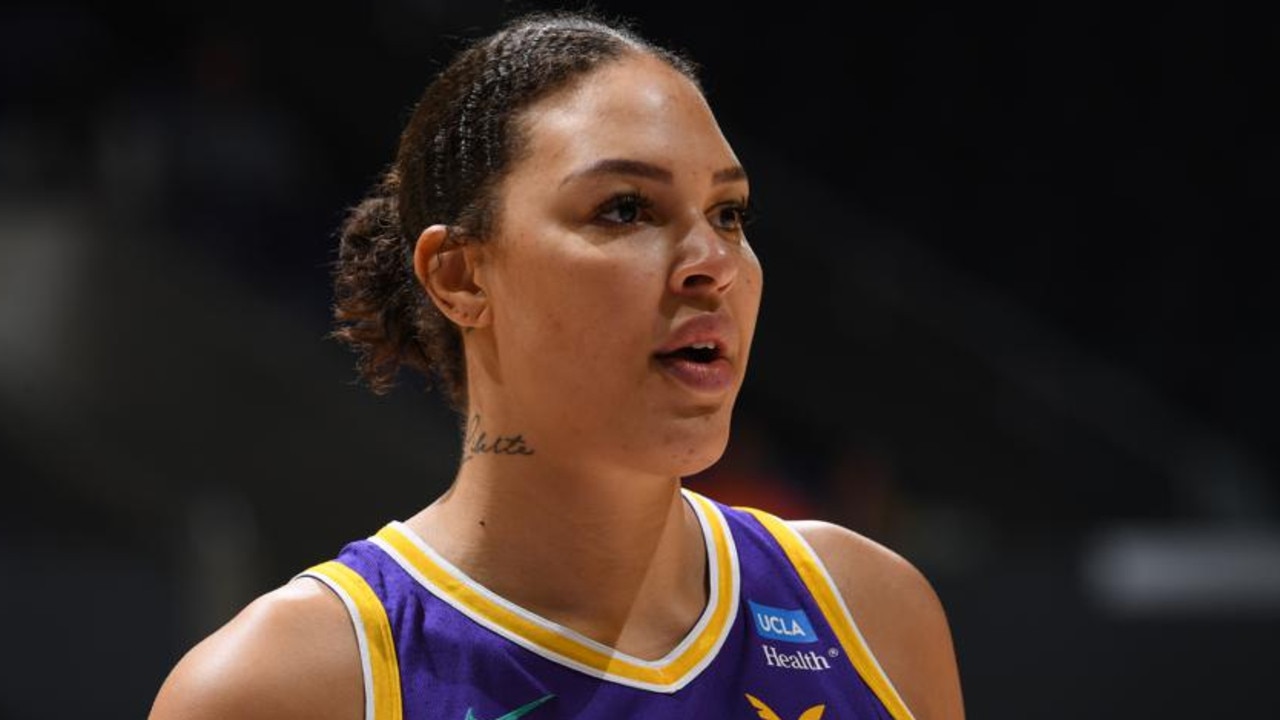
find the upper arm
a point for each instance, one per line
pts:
(899, 615)
(291, 653)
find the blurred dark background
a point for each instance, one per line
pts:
(1018, 324)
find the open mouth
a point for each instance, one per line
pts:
(701, 366)
(700, 353)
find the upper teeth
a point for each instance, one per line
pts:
(703, 346)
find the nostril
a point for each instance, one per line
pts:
(698, 280)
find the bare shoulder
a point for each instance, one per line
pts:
(899, 614)
(291, 653)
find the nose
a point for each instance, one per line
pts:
(706, 263)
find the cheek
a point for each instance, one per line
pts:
(580, 310)
(610, 307)
(752, 287)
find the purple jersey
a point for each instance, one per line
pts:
(775, 641)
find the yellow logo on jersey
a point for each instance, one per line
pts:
(767, 713)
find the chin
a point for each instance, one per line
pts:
(699, 449)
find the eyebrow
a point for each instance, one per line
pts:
(642, 169)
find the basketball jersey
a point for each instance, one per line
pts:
(775, 641)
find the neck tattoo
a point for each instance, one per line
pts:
(477, 442)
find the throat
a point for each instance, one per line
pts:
(640, 597)
(631, 578)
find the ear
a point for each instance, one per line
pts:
(447, 272)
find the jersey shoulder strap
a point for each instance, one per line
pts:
(380, 668)
(820, 586)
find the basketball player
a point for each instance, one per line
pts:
(560, 243)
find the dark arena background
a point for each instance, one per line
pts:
(1019, 324)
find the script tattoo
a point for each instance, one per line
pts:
(477, 442)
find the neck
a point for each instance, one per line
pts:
(618, 558)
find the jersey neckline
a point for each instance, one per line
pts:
(568, 647)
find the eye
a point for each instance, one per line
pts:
(626, 209)
(732, 216)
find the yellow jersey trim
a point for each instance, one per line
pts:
(815, 577)
(566, 646)
(373, 635)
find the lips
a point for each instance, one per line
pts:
(699, 353)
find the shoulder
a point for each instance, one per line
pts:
(898, 613)
(291, 653)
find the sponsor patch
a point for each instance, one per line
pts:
(791, 626)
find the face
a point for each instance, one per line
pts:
(622, 292)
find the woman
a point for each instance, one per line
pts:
(560, 243)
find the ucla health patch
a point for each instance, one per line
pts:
(780, 624)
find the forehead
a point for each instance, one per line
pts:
(637, 107)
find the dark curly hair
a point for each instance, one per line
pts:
(459, 143)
